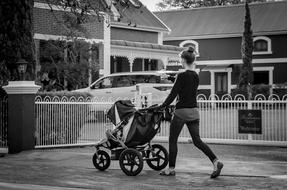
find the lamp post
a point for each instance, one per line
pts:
(22, 67)
(21, 118)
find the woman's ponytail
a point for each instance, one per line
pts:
(188, 55)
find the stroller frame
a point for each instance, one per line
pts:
(130, 159)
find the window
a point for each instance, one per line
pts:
(145, 79)
(191, 43)
(221, 83)
(261, 77)
(262, 45)
(121, 81)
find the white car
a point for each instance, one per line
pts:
(124, 85)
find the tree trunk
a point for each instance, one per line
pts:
(16, 36)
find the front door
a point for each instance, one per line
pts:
(221, 83)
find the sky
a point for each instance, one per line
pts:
(150, 4)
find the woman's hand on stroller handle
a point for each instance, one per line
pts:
(155, 107)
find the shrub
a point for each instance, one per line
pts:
(256, 89)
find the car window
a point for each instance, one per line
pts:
(122, 81)
(145, 79)
(103, 83)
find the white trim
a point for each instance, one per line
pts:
(269, 45)
(38, 36)
(21, 87)
(48, 7)
(160, 38)
(139, 27)
(212, 82)
(113, 9)
(204, 87)
(61, 8)
(168, 29)
(195, 43)
(107, 46)
(269, 69)
(262, 53)
(220, 70)
(263, 68)
(239, 61)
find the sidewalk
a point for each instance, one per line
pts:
(246, 167)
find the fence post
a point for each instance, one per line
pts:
(21, 116)
(249, 107)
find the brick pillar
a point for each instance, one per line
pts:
(21, 117)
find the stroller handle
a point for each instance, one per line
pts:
(154, 107)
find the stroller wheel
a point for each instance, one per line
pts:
(101, 160)
(131, 162)
(157, 159)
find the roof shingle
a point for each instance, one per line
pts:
(142, 17)
(267, 18)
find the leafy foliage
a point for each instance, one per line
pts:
(67, 65)
(246, 74)
(16, 36)
(166, 4)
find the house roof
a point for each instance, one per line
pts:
(225, 21)
(145, 45)
(137, 18)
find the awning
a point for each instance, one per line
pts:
(145, 45)
(216, 67)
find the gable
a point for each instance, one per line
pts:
(137, 17)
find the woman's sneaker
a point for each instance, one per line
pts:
(217, 172)
(167, 172)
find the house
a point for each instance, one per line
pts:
(216, 34)
(129, 37)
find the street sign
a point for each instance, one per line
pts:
(250, 121)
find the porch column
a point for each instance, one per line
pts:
(131, 61)
(165, 62)
(142, 64)
(212, 82)
(107, 46)
(21, 117)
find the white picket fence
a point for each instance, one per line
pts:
(82, 121)
(3, 122)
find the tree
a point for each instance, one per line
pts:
(166, 4)
(16, 34)
(246, 73)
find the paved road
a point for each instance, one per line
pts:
(246, 167)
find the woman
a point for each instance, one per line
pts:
(186, 112)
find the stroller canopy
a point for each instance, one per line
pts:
(123, 109)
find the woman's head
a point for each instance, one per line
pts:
(188, 56)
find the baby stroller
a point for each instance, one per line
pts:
(130, 140)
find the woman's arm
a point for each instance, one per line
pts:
(174, 91)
